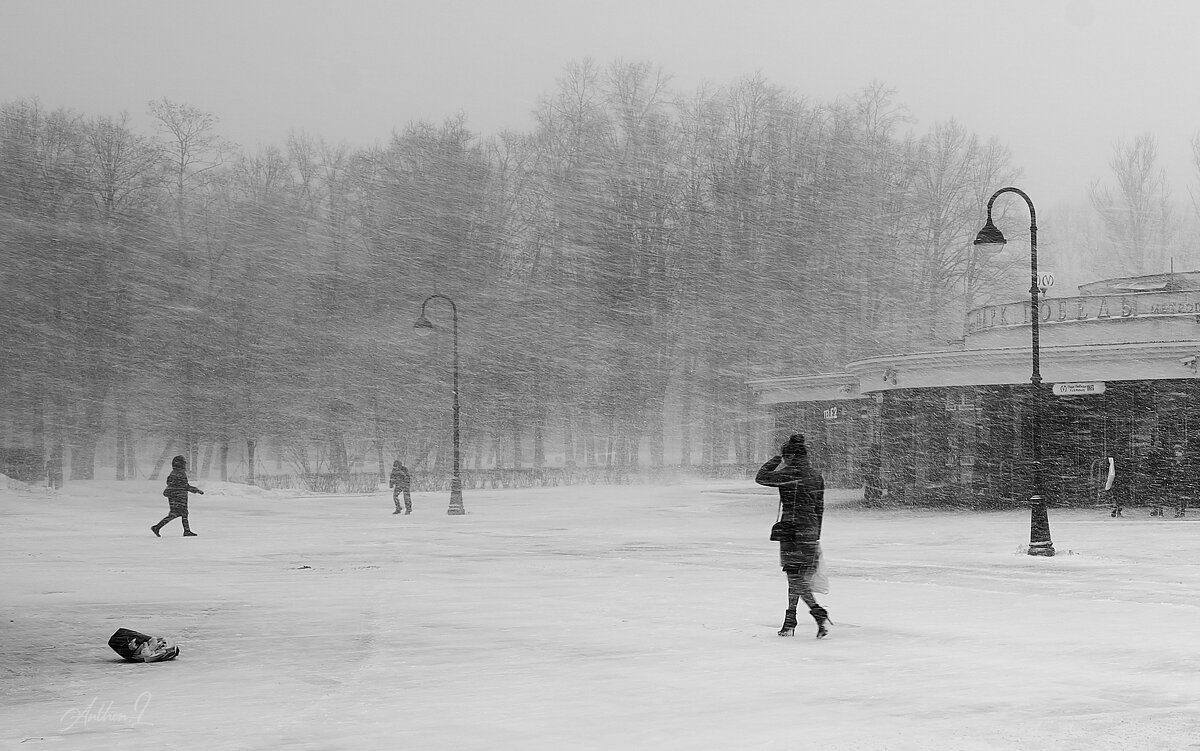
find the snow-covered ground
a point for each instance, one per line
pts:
(587, 618)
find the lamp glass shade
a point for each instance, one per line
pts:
(990, 238)
(423, 326)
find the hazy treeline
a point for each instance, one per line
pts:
(619, 272)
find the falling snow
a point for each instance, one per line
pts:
(595, 618)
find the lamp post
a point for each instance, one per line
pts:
(423, 327)
(991, 238)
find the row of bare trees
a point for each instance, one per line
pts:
(1130, 223)
(620, 271)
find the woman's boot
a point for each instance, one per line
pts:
(821, 616)
(789, 623)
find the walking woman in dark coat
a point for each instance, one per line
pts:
(401, 482)
(802, 507)
(177, 496)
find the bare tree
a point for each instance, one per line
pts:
(1137, 215)
(39, 193)
(950, 167)
(191, 150)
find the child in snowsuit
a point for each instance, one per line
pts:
(400, 482)
(177, 496)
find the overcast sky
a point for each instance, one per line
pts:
(1059, 81)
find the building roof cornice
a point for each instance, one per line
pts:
(1128, 361)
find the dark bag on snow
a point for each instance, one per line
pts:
(135, 646)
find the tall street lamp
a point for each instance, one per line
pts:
(990, 238)
(423, 327)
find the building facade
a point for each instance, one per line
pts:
(1119, 367)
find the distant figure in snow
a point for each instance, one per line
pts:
(400, 482)
(1176, 478)
(1157, 477)
(1129, 480)
(1109, 481)
(802, 508)
(1183, 481)
(177, 497)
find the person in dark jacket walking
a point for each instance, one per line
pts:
(802, 508)
(1183, 488)
(1156, 477)
(400, 482)
(177, 497)
(1176, 480)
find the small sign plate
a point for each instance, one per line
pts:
(1079, 389)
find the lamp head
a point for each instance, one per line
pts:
(990, 238)
(423, 326)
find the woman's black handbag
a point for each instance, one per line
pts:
(782, 531)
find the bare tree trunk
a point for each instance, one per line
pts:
(498, 451)
(250, 445)
(478, 447)
(568, 437)
(56, 462)
(378, 439)
(748, 432)
(191, 444)
(122, 438)
(610, 440)
(711, 420)
(85, 436)
(339, 462)
(518, 454)
(658, 433)
(57, 470)
(193, 449)
(38, 433)
(441, 459)
(208, 458)
(162, 458)
(687, 388)
(83, 456)
(539, 448)
(589, 441)
(131, 468)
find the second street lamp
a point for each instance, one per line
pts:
(991, 237)
(423, 327)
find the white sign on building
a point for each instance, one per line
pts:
(1079, 389)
